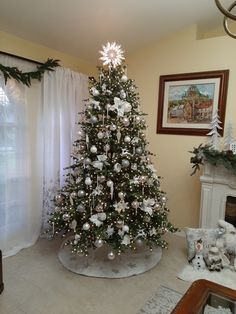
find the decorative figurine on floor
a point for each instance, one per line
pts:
(227, 241)
(213, 259)
(198, 260)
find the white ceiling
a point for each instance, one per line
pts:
(80, 27)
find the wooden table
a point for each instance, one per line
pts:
(1, 280)
(203, 292)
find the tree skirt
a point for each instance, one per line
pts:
(162, 302)
(225, 277)
(96, 264)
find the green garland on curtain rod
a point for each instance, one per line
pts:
(26, 77)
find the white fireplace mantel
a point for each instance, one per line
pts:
(216, 184)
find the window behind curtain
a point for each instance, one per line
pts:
(20, 161)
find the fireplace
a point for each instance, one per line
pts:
(218, 196)
(230, 210)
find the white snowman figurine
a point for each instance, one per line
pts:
(198, 261)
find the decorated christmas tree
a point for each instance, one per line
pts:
(112, 191)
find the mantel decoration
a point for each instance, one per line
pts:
(205, 153)
(212, 153)
(26, 77)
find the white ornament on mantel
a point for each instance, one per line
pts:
(232, 147)
(215, 126)
(229, 136)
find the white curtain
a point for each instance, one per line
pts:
(20, 162)
(63, 95)
(37, 130)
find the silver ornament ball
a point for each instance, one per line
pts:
(81, 193)
(139, 242)
(93, 119)
(87, 161)
(109, 183)
(139, 150)
(80, 133)
(126, 228)
(138, 119)
(106, 147)
(93, 149)
(125, 163)
(100, 135)
(127, 139)
(124, 78)
(58, 198)
(126, 121)
(86, 226)
(113, 127)
(66, 217)
(111, 255)
(98, 243)
(121, 195)
(88, 181)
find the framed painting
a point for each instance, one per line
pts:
(188, 101)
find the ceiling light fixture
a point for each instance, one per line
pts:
(227, 15)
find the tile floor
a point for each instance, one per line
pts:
(37, 283)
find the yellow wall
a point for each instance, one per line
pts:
(30, 50)
(180, 53)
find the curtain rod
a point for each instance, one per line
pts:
(19, 57)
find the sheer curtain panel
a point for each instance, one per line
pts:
(63, 95)
(20, 161)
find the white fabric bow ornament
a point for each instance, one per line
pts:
(147, 205)
(153, 231)
(110, 231)
(95, 219)
(99, 163)
(97, 190)
(120, 105)
(96, 104)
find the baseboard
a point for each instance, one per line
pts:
(180, 233)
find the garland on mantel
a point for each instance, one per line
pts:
(203, 154)
(26, 77)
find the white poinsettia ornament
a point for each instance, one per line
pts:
(112, 54)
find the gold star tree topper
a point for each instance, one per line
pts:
(112, 54)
